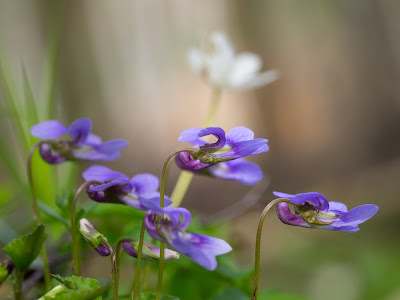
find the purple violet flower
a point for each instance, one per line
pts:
(219, 157)
(115, 187)
(169, 226)
(74, 143)
(312, 210)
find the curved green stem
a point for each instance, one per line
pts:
(256, 277)
(36, 215)
(113, 269)
(75, 244)
(135, 292)
(118, 254)
(185, 178)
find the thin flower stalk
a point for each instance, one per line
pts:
(114, 269)
(75, 244)
(163, 181)
(135, 292)
(257, 258)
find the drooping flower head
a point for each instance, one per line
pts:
(115, 187)
(93, 237)
(149, 251)
(225, 70)
(169, 226)
(74, 143)
(219, 156)
(313, 210)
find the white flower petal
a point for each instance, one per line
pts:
(260, 80)
(243, 69)
(196, 60)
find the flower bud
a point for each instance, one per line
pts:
(149, 251)
(93, 237)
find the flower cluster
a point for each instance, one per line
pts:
(213, 153)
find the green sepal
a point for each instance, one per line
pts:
(93, 237)
(24, 249)
(205, 155)
(150, 255)
(310, 218)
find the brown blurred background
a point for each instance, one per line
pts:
(332, 119)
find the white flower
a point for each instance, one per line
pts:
(226, 70)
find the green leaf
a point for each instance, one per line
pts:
(24, 249)
(31, 114)
(53, 213)
(79, 287)
(76, 282)
(88, 294)
(230, 293)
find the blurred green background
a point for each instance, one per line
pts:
(331, 120)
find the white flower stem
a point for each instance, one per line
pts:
(185, 178)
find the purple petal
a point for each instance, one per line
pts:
(49, 155)
(239, 170)
(112, 146)
(101, 173)
(145, 183)
(132, 202)
(193, 136)
(283, 195)
(129, 249)
(201, 248)
(185, 162)
(94, 155)
(355, 216)
(245, 148)
(286, 216)
(154, 203)
(103, 250)
(317, 199)
(123, 182)
(238, 134)
(337, 206)
(80, 130)
(48, 130)
(93, 140)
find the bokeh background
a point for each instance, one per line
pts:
(332, 119)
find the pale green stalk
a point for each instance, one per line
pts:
(185, 178)
(135, 292)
